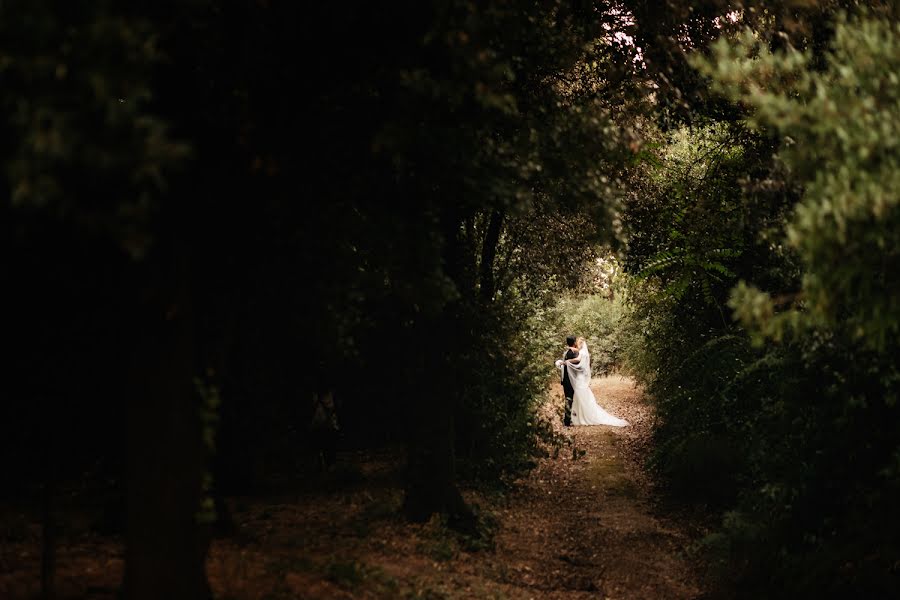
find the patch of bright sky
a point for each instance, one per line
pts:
(622, 20)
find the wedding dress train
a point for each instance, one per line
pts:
(586, 411)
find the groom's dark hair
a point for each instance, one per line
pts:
(570, 341)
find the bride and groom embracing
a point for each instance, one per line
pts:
(575, 375)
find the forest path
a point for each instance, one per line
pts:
(580, 525)
(584, 526)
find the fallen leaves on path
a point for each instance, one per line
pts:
(573, 528)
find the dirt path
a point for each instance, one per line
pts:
(580, 525)
(585, 527)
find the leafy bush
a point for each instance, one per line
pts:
(596, 314)
(826, 437)
(598, 319)
(690, 235)
(499, 431)
(787, 423)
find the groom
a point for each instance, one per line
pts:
(568, 390)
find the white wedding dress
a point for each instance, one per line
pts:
(585, 410)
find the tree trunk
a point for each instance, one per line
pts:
(165, 551)
(431, 487)
(431, 470)
(488, 254)
(48, 533)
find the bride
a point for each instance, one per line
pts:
(585, 410)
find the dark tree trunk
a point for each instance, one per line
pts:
(431, 485)
(488, 254)
(48, 533)
(165, 550)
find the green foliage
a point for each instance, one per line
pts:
(788, 424)
(84, 144)
(592, 308)
(466, 166)
(683, 217)
(597, 318)
(452, 177)
(840, 128)
(465, 163)
(690, 235)
(499, 150)
(499, 431)
(826, 432)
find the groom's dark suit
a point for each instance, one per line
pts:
(568, 390)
